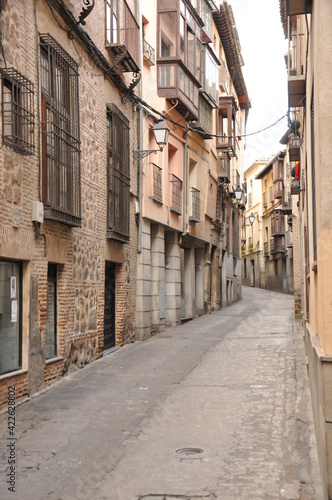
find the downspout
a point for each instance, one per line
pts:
(140, 135)
(185, 181)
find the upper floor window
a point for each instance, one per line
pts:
(112, 21)
(61, 138)
(211, 76)
(180, 35)
(17, 111)
(176, 204)
(118, 193)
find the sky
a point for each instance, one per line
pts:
(263, 47)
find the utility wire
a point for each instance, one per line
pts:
(187, 127)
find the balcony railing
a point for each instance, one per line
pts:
(195, 205)
(126, 48)
(149, 53)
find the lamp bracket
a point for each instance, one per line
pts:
(143, 153)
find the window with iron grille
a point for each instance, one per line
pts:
(61, 137)
(18, 121)
(157, 183)
(195, 205)
(176, 194)
(118, 193)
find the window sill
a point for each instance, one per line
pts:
(15, 373)
(194, 219)
(53, 360)
(176, 211)
(113, 235)
(156, 200)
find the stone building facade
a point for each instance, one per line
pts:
(68, 235)
(100, 244)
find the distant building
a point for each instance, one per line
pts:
(252, 247)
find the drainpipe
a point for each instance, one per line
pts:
(140, 134)
(185, 181)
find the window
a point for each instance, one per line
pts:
(118, 201)
(112, 21)
(17, 112)
(176, 194)
(244, 268)
(10, 316)
(211, 76)
(51, 313)
(60, 128)
(157, 183)
(195, 205)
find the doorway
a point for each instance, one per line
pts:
(109, 310)
(252, 273)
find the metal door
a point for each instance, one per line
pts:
(109, 312)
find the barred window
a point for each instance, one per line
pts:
(157, 183)
(176, 195)
(18, 121)
(118, 175)
(61, 138)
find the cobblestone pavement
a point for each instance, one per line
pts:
(217, 408)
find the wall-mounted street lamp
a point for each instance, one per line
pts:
(238, 193)
(252, 217)
(161, 133)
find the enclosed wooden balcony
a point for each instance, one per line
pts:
(175, 83)
(297, 7)
(226, 125)
(296, 62)
(277, 223)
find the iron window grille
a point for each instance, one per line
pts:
(118, 148)
(195, 205)
(157, 183)
(18, 120)
(176, 194)
(61, 137)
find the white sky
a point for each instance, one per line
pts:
(263, 47)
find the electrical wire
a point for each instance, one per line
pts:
(188, 127)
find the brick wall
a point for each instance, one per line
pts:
(79, 253)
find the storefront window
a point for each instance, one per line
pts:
(10, 316)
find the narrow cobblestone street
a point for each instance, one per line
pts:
(217, 408)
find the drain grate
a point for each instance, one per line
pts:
(189, 451)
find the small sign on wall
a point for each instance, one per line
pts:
(13, 287)
(14, 311)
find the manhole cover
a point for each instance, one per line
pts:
(189, 451)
